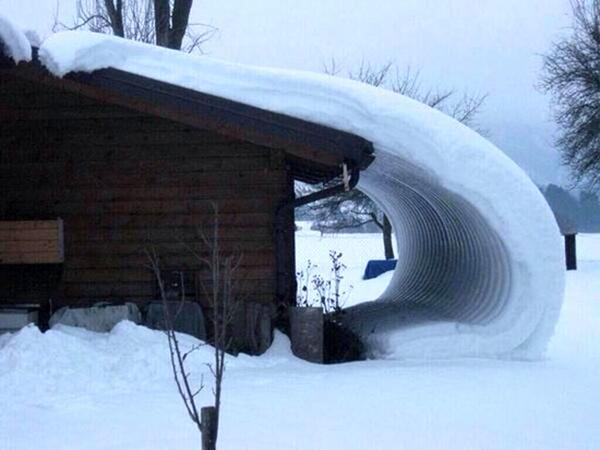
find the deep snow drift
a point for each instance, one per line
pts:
(72, 389)
(481, 269)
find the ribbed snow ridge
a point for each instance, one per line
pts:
(451, 261)
(452, 267)
(457, 289)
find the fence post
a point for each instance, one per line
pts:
(571, 251)
(306, 332)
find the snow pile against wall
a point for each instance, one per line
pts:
(99, 318)
(77, 359)
(69, 359)
(481, 265)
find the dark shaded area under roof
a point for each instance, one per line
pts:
(315, 152)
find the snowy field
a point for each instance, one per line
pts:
(356, 250)
(73, 389)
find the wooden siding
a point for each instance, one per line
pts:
(123, 182)
(31, 242)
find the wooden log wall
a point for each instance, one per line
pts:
(123, 182)
(31, 242)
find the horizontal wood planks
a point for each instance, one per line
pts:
(31, 242)
(123, 183)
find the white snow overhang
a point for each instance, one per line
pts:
(481, 270)
(14, 44)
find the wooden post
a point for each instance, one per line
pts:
(208, 416)
(306, 331)
(387, 238)
(571, 251)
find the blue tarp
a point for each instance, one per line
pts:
(376, 267)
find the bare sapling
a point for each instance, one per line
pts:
(220, 291)
(178, 357)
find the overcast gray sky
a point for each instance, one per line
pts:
(476, 46)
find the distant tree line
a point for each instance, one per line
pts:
(574, 212)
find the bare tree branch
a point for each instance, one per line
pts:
(221, 295)
(180, 375)
(161, 22)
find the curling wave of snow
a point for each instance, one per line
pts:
(481, 270)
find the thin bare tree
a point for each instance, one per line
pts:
(465, 108)
(221, 294)
(165, 23)
(178, 357)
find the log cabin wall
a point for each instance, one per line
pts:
(121, 182)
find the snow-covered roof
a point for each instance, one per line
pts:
(14, 42)
(481, 268)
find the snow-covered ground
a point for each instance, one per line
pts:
(356, 250)
(73, 389)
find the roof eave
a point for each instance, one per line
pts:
(317, 150)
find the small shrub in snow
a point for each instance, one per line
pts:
(315, 290)
(340, 343)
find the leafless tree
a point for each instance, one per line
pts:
(354, 209)
(161, 22)
(572, 75)
(221, 294)
(178, 356)
(464, 108)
